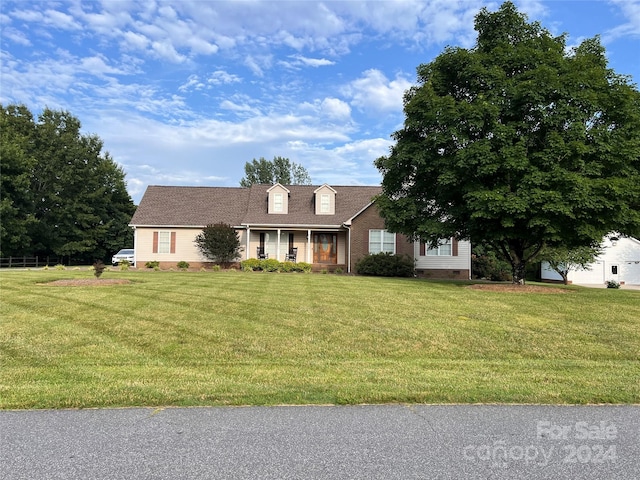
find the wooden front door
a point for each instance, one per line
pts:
(325, 248)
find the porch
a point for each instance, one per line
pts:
(323, 249)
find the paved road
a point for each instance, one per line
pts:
(350, 442)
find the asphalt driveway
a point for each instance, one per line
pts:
(323, 442)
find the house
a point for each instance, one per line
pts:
(327, 226)
(619, 261)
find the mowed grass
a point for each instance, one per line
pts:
(233, 338)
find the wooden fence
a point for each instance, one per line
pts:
(29, 262)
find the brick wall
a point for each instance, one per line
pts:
(367, 220)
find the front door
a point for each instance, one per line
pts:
(614, 272)
(325, 248)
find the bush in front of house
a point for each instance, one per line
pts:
(385, 265)
(250, 265)
(273, 265)
(270, 265)
(152, 264)
(182, 265)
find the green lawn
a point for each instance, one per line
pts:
(234, 338)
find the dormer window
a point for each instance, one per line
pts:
(278, 199)
(325, 203)
(325, 200)
(277, 202)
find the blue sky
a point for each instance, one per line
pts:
(185, 92)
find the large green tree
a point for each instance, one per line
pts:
(518, 143)
(61, 194)
(279, 170)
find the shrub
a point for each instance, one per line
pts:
(302, 267)
(123, 264)
(216, 268)
(60, 267)
(612, 284)
(270, 265)
(220, 243)
(182, 265)
(98, 268)
(287, 267)
(152, 264)
(488, 266)
(385, 265)
(250, 264)
(339, 270)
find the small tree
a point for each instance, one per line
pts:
(98, 268)
(220, 243)
(564, 260)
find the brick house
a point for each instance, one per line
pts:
(327, 226)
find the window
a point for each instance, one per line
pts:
(382, 241)
(443, 249)
(164, 242)
(325, 203)
(277, 202)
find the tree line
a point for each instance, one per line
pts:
(60, 194)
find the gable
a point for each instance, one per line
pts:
(278, 200)
(325, 200)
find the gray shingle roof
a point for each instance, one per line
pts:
(200, 206)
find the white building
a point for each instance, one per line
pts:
(619, 261)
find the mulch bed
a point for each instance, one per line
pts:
(87, 282)
(511, 288)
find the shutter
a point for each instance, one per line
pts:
(155, 242)
(454, 247)
(422, 249)
(173, 242)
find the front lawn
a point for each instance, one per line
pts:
(235, 338)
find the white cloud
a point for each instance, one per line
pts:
(336, 109)
(193, 83)
(631, 11)
(16, 36)
(311, 62)
(373, 91)
(220, 77)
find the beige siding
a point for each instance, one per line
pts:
(186, 249)
(460, 262)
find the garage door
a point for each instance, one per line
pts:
(631, 272)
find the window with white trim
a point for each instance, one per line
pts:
(382, 241)
(164, 242)
(442, 250)
(277, 202)
(325, 203)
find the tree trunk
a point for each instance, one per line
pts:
(517, 271)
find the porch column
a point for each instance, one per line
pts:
(248, 241)
(278, 246)
(309, 257)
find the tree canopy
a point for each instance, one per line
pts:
(518, 143)
(60, 195)
(279, 170)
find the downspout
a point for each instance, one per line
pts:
(248, 241)
(348, 246)
(135, 246)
